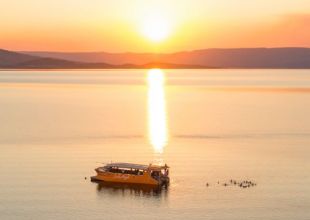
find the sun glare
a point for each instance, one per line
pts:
(156, 28)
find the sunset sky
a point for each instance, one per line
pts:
(149, 26)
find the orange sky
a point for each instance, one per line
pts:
(119, 25)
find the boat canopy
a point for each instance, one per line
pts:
(128, 166)
(137, 166)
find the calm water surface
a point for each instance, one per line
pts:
(210, 126)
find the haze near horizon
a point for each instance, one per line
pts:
(152, 26)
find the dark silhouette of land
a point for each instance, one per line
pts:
(15, 60)
(290, 58)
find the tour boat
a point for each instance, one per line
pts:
(133, 173)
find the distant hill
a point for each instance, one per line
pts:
(298, 58)
(14, 60)
(9, 58)
(52, 63)
(219, 58)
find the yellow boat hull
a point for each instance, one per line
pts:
(126, 178)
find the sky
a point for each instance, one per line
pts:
(152, 26)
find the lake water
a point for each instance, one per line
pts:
(209, 126)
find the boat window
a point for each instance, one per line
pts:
(125, 171)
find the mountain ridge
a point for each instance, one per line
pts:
(282, 57)
(247, 58)
(14, 60)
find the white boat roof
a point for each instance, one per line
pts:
(134, 166)
(128, 165)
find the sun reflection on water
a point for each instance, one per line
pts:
(157, 110)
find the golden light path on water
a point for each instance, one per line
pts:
(157, 122)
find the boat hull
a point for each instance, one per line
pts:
(126, 178)
(145, 179)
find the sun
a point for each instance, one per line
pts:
(156, 27)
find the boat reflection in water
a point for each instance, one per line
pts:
(157, 122)
(132, 189)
